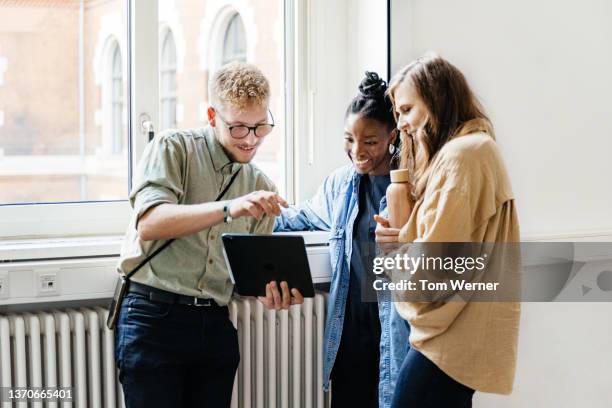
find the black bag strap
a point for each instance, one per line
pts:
(167, 243)
(222, 193)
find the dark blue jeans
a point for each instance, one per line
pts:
(172, 355)
(422, 384)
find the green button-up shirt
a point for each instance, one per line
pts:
(189, 167)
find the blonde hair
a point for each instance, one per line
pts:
(453, 111)
(239, 84)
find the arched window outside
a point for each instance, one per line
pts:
(234, 41)
(116, 82)
(168, 81)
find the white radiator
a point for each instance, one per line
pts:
(71, 348)
(280, 355)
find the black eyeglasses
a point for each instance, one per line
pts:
(241, 131)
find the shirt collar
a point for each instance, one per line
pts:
(219, 158)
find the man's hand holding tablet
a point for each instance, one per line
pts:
(282, 299)
(274, 268)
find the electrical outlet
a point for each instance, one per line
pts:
(4, 285)
(47, 283)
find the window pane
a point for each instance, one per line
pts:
(209, 33)
(63, 93)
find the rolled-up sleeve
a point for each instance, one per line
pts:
(160, 175)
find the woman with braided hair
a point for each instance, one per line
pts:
(359, 359)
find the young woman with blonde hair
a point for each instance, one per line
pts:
(461, 193)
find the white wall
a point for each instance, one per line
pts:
(565, 358)
(542, 69)
(367, 40)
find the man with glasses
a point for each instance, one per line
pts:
(175, 344)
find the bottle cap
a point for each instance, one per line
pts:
(400, 176)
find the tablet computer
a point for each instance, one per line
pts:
(255, 260)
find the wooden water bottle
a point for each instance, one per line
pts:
(399, 203)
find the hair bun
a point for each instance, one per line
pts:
(372, 86)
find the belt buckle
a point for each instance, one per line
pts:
(196, 300)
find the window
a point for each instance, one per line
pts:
(63, 93)
(234, 41)
(167, 70)
(53, 144)
(65, 154)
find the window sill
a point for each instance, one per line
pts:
(97, 246)
(59, 248)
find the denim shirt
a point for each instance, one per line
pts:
(334, 208)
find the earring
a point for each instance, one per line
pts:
(391, 149)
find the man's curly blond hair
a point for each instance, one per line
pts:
(239, 84)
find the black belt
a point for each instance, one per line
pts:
(163, 296)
